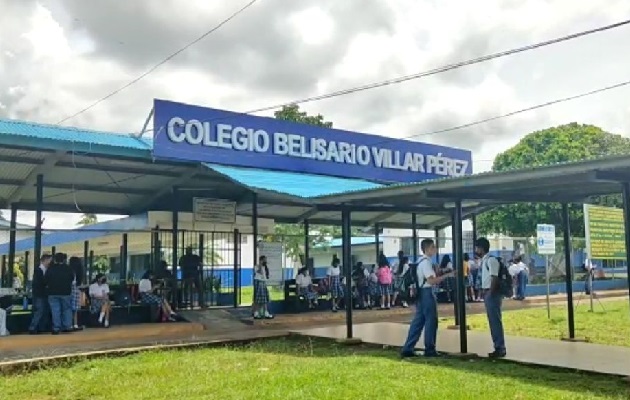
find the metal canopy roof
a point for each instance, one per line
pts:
(96, 172)
(563, 183)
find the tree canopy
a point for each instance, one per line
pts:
(87, 219)
(564, 143)
(292, 235)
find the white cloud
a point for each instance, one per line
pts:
(59, 56)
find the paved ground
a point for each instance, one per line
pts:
(219, 328)
(613, 360)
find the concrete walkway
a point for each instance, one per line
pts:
(613, 360)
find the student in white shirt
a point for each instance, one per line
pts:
(148, 295)
(493, 298)
(425, 317)
(261, 293)
(99, 299)
(304, 285)
(334, 283)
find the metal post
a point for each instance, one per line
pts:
(86, 254)
(255, 227)
(455, 248)
(91, 266)
(53, 251)
(155, 262)
(458, 256)
(307, 245)
(346, 259)
(474, 231)
(174, 239)
(3, 269)
(377, 241)
(437, 245)
(626, 213)
(547, 280)
(37, 246)
(27, 255)
(568, 268)
(414, 236)
(12, 232)
(202, 289)
(123, 259)
(236, 280)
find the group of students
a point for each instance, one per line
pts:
(426, 279)
(57, 295)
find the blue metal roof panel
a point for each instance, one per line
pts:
(22, 130)
(101, 229)
(295, 184)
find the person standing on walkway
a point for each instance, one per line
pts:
(41, 310)
(425, 317)
(492, 296)
(77, 271)
(59, 277)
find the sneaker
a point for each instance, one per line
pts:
(412, 354)
(256, 315)
(268, 316)
(404, 304)
(106, 323)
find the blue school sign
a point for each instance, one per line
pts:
(190, 133)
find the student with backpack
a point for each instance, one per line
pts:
(425, 317)
(496, 283)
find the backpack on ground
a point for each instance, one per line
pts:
(505, 279)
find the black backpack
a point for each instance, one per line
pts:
(409, 282)
(505, 279)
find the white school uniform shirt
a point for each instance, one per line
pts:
(424, 272)
(373, 277)
(489, 268)
(260, 274)
(366, 273)
(334, 271)
(303, 280)
(144, 286)
(97, 290)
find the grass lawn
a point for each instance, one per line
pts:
(610, 325)
(302, 369)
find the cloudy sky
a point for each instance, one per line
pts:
(59, 56)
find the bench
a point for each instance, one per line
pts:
(291, 297)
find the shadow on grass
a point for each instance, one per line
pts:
(557, 378)
(295, 346)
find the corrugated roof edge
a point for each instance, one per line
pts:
(146, 144)
(481, 174)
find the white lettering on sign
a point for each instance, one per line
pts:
(250, 139)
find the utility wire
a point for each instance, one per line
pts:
(164, 61)
(549, 103)
(434, 71)
(445, 68)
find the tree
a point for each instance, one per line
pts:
(87, 219)
(292, 113)
(565, 143)
(292, 235)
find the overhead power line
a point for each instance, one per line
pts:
(546, 104)
(164, 61)
(445, 68)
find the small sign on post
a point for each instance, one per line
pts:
(546, 240)
(214, 211)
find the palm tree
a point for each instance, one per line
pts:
(87, 219)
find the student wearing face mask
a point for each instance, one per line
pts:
(261, 293)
